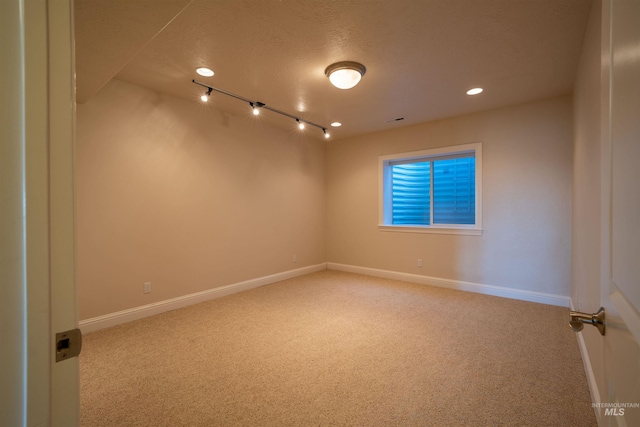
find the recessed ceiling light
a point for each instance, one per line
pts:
(336, 124)
(204, 72)
(475, 91)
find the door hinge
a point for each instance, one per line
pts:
(68, 344)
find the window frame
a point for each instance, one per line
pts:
(384, 189)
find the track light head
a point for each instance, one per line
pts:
(206, 96)
(256, 107)
(300, 124)
(326, 134)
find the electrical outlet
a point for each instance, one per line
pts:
(147, 287)
(295, 258)
(419, 263)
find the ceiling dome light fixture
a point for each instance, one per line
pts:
(345, 74)
(336, 124)
(205, 72)
(475, 91)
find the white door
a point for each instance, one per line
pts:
(620, 289)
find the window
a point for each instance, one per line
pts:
(432, 191)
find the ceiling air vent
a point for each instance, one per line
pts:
(399, 119)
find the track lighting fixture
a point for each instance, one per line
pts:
(257, 106)
(206, 96)
(345, 74)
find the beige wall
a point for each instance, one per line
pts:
(188, 198)
(191, 198)
(527, 173)
(586, 221)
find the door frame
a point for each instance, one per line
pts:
(37, 198)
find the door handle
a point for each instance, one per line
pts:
(578, 319)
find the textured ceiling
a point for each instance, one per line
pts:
(421, 55)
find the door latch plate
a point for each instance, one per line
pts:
(68, 344)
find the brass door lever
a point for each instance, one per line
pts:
(578, 319)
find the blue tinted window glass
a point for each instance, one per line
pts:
(410, 193)
(454, 191)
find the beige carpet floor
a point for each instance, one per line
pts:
(339, 349)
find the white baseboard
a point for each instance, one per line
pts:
(588, 370)
(124, 316)
(591, 378)
(539, 297)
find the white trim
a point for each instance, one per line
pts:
(471, 231)
(124, 316)
(433, 152)
(524, 295)
(591, 378)
(588, 370)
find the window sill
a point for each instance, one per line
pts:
(471, 231)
